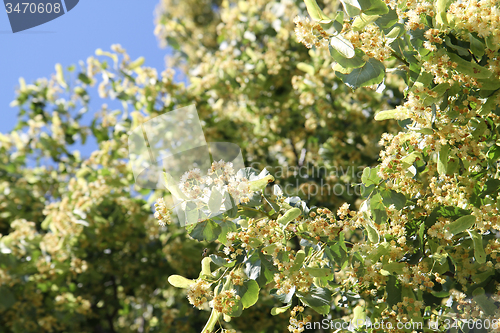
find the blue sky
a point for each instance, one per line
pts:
(92, 24)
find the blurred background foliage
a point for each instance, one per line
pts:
(80, 250)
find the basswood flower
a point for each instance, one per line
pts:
(224, 301)
(221, 177)
(198, 293)
(310, 33)
(162, 214)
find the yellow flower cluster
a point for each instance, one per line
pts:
(298, 325)
(301, 280)
(371, 41)
(310, 33)
(162, 213)
(198, 293)
(481, 17)
(224, 301)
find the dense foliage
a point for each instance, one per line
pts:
(82, 252)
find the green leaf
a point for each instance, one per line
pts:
(489, 105)
(489, 88)
(476, 46)
(486, 304)
(269, 249)
(482, 277)
(363, 20)
(371, 73)
(260, 184)
(351, 7)
(305, 68)
(207, 230)
(382, 249)
(338, 68)
(253, 267)
(372, 233)
(366, 190)
(378, 209)
(425, 78)
(359, 314)
(84, 78)
(46, 222)
(236, 310)
(441, 8)
(442, 163)
(388, 114)
(180, 281)
(336, 254)
(319, 272)
(277, 310)
(317, 298)
(421, 232)
(226, 227)
(215, 201)
(338, 23)
(490, 43)
(452, 212)
(396, 31)
(478, 127)
(395, 267)
(219, 261)
(254, 242)
(462, 224)
(205, 266)
(394, 198)
(354, 62)
(453, 45)
(249, 293)
(315, 12)
(342, 46)
(192, 212)
(275, 207)
(393, 291)
(453, 165)
(267, 270)
(230, 206)
(388, 20)
(290, 215)
(479, 253)
(370, 177)
(410, 159)
(373, 7)
(494, 153)
(136, 63)
(490, 187)
(60, 76)
(299, 260)
(469, 68)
